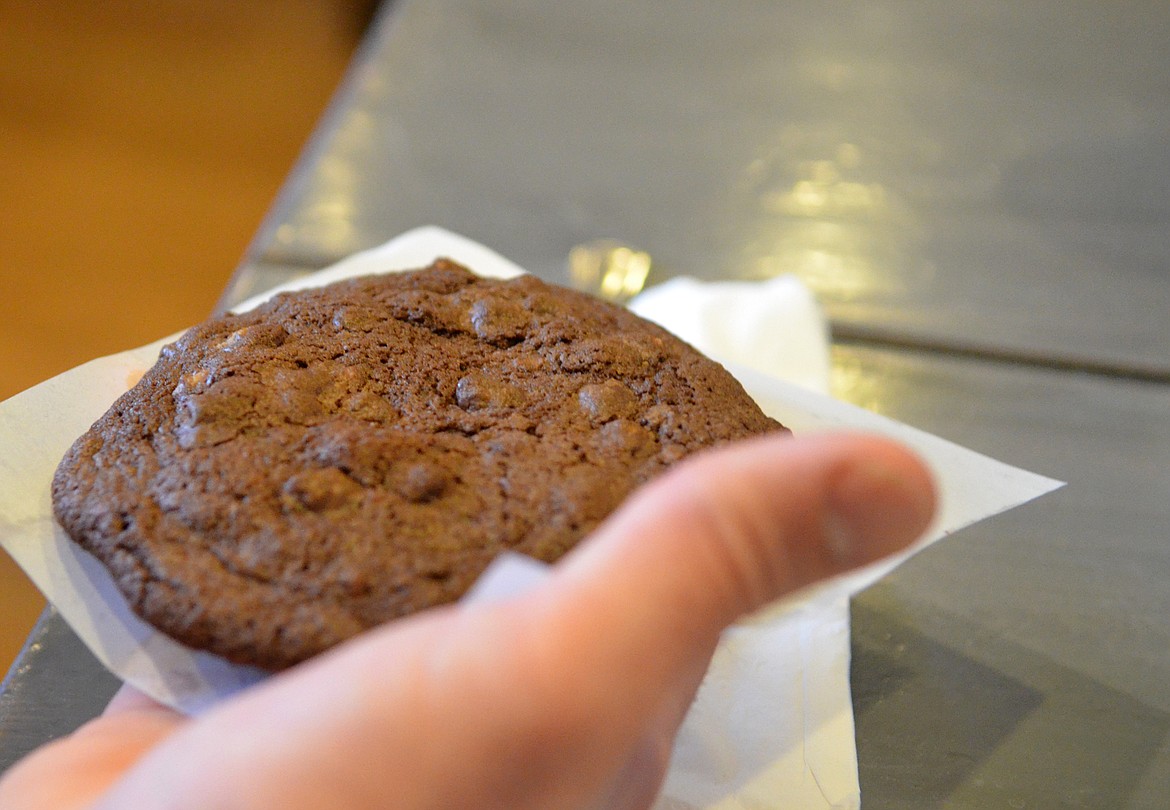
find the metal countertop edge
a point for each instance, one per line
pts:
(854, 334)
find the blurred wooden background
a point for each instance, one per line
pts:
(141, 143)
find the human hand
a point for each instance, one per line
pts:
(567, 696)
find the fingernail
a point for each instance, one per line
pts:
(876, 508)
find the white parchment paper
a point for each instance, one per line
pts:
(772, 725)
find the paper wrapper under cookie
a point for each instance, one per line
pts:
(767, 722)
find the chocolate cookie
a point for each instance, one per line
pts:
(283, 479)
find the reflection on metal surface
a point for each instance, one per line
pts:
(330, 220)
(609, 269)
(850, 381)
(834, 259)
(821, 190)
(821, 219)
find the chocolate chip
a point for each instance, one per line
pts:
(321, 489)
(478, 391)
(608, 400)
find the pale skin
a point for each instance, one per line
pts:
(567, 696)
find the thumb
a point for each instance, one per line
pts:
(724, 534)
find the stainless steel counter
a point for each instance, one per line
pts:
(980, 194)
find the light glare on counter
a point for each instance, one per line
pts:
(824, 221)
(610, 269)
